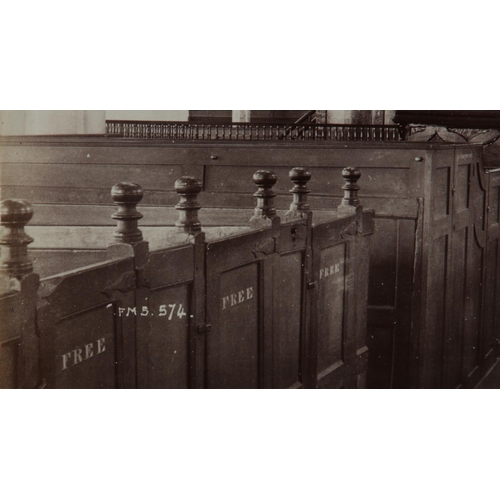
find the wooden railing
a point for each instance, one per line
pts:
(253, 131)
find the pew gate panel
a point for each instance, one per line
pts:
(279, 305)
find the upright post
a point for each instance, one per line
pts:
(187, 188)
(127, 195)
(299, 208)
(350, 203)
(14, 261)
(264, 211)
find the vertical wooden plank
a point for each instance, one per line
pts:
(384, 251)
(350, 313)
(435, 295)
(361, 287)
(19, 343)
(454, 333)
(333, 276)
(472, 311)
(200, 329)
(287, 314)
(309, 290)
(165, 319)
(313, 303)
(235, 364)
(403, 306)
(168, 337)
(491, 293)
(382, 301)
(290, 329)
(432, 343)
(491, 296)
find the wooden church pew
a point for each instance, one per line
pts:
(280, 303)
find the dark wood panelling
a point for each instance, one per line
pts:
(490, 321)
(9, 355)
(233, 346)
(85, 341)
(239, 327)
(424, 195)
(49, 262)
(332, 275)
(380, 340)
(60, 196)
(338, 256)
(289, 318)
(83, 352)
(441, 192)
(384, 248)
(403, 307)
(19, 343)
(434, 331)
(235, 312)
(168, 312)
(379, 181)
(165, 305)
(472, 309)
(454, 333)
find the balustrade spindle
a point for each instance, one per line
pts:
(264, 211)
(252, 132)
(350, 203)
(188, 188)
(299, 208)
(127, 195)
(14, 261)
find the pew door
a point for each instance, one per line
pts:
(239, 289)
(86, 325)
(339, 306)
(166, 337)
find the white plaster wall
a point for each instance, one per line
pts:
(52, 122)
(12, 122)
(166, 115)
(338, 116)
(346, 116)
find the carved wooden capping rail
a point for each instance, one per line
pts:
(168, 318)
(253, 131)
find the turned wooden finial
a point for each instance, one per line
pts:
(265, 180)
(350, 202)
(14, 261)
(299, 207)
(127, 195)
(188, 188)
